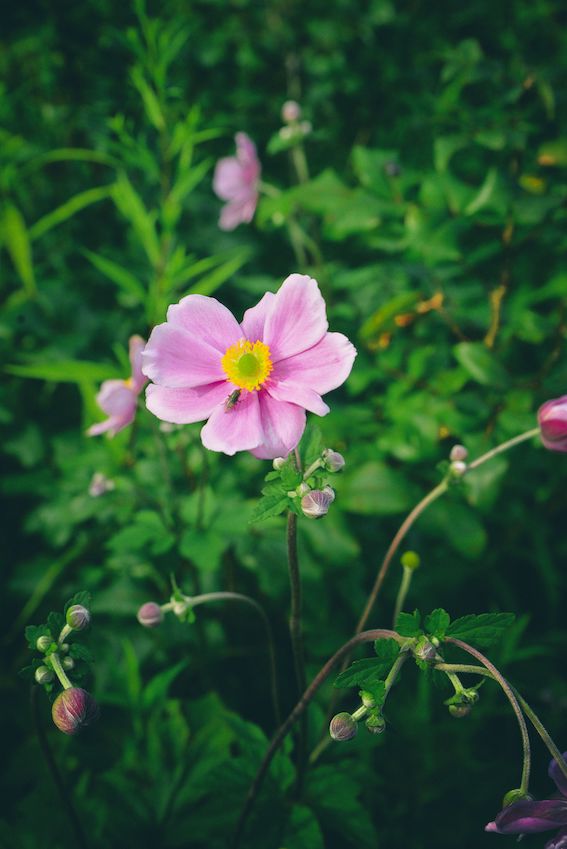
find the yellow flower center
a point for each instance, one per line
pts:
(247, 364)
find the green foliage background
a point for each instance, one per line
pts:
(435, 214)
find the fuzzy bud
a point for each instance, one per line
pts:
(458, 468)
(410, 560)
(77, 617)
(43, 643)
(43, 675)
(375, 723)
(291, 111)
(150, 615)
(367, 699)
(458, 453)
(278, 462)
(328, 490)
(460, 711)
(334, 461)
(425, 650)
(73, 709)
(63, 648)
(343, 727)
(316, 504)
(552, 420)
(68, 663)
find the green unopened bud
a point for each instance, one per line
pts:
(410, 560)
(43, 643)
(515, 796)
(425, 650)
(77, 617)
(43, 675)
(375, 723)
(68, 663)
(367, 699)
(63, 648)
(343, 727)
(278, 462)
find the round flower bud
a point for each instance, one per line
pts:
(291, 111)
(330, 492)
(460, 711)
(63, 648)
(552, 420)
(458, 452)
(334, 461)
(43, 675)
(303, 489)
(150, 614)
(425, 650)
(410, 560)
(315, 504)
(343, 727)
(375, 723)
(43, 643)
(278, 462)
(68, 663)
(367, 699)
(77, 617)
(73, 709)
(458, 468)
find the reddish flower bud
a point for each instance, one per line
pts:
(343, 727)
(77, 617)
(316, 503)
(458, 453)
(552, 419)
(150, 614)
(73, 709)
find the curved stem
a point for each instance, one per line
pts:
(59, 671)
(55, 773)
(505, 446)
(229, 596)
(513, 702)
(283, 730)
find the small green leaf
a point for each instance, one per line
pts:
(387, 651)
(65, 371)
(482, 630)
(268, 506)
(437, 622)
(362, 673)
(68, 209)
(311, 444)
(409, 624)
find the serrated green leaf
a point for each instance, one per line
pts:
(270, 505)
(437, 622)
(409, 624)
(386, 650)
(55, 622)
(368, 672)
(482, 630)
(78, 651)
(83, 597)
(34, 632)
(311, 444)
(274, 488)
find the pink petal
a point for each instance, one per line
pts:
(247, 155)
(238, 211)
(176, 358)
(207, 319)
(118, 401)
(185, 406)
(323, 367)
(255, 318)
(238, 429)
(136, 346)
(228, 179)
(297, 319)
(295, 393)
(282, 426)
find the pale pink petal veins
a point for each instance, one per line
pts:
(255, 318)
(175, 358)
(322, 368)
(282, 426)
(297, 319)
(185, 406)
(207, 319)
(296, 393)
(136, 346)
(237, 429)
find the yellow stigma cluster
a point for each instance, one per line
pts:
(247, 364)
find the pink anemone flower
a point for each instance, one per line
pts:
(252, 381)
(236, 181)
(118, 398)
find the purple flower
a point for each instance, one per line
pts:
(150, 615)
(118, 398)
(552, 418)
(253, 381)
(236, 181)
(529, 817)
(73, 709)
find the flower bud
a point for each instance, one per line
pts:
(458, 468)
(343, 727)
(150, 614)
(291, 111)
(73, 709)
(375, 723)
(43, 675)
(43, 643)
(367, 699)
(68, 663)
(278, 462)
(334, 461)
(425, 650)
(458, 453)
(552, 419)
(99, 485)
(460, 711)
(330, 492)
(77, 617)
(515, 796)
(410, 560)
(315, 504)
(63, 648)
(303, 489)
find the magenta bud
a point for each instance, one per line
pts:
(343, 727)
(552, 419)
(334, 461)
(316, 504)
(458, 453)
(291, 111)
(150, 614)
(77, 617)
(73, 709)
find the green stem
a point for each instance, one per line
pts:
(296, 634)
(505, 446)
(59, 671)
(513, 702)
(405, 583)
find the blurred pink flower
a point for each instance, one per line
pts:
(552, 418)
(252, 381)
(118, 398)
(236, 181)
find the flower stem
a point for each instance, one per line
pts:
(59, 671)
(513, 702)
(505, 446)
(407, 575)
(205, 598)
(296, 634)
(55, 773)
(297, 712)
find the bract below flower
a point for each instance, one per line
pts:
(118, 398)
(253, 381)
(552, 418)
(236, 181)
